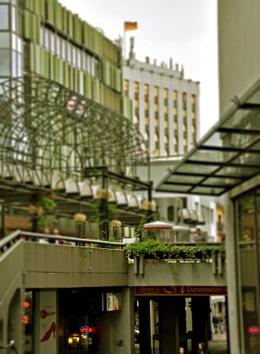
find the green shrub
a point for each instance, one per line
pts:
(152, 249)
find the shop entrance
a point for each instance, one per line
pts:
(80, 312)
(175, 320)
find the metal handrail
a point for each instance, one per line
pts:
(9, 240)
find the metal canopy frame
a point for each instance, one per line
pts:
(46, 126)
(226, 156)
(49, 132)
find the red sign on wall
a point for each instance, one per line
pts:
(180, 290)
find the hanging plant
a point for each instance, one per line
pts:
(43, 207)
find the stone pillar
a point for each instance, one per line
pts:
(169, 325)
(45, 338)
(4, 332)
(123, 327)
(200, 323)
(144, 326)
(182, 322)
(234, 296)
(117, 327)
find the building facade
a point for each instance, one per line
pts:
(165, 105)
(165, 108)
(226, 163)
(45, 38)
(239, 72)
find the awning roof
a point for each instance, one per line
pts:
(226, 156)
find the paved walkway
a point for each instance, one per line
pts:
(218, 347)
(219, 344)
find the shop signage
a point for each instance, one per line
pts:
(87, 329)
(46, 322)
(180, 290)
(253, 330)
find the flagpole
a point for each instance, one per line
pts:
(124, 46)
(128, 26)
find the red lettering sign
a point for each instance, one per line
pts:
(87, 329)
(180, 291)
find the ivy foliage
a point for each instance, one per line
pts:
(152, 249)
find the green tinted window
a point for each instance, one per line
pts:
(4, 17)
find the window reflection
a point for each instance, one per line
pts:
(246, 220)
(4, 40)
(4, 17)
(249, 261)
(5, 65)
(69, 52)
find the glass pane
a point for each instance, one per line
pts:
(185, 179)
(258, 219)
(19, 64)
(246, 210)
(237, 171)
(212, 156)
(5, 58)
(9, 1)
(63, 49)
(244, 119)
(14, 64)
(4, 40)
(208, 190)
(14, 19)
(248, 158)
(222, 181)
(174, 188)
(231, 140)
(4, 17)
(14, 42)
(196, 168)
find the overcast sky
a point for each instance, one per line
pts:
(185, 30)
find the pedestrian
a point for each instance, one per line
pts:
(215, 324)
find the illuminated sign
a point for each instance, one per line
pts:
(180, 290)
(253, 330)
(87, 329)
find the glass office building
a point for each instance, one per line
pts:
(45, 38)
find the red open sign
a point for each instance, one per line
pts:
(87, 329)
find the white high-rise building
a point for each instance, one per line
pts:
(165, 105)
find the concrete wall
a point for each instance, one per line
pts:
(118, 337)
(36, 265)
(239, 48)
(73, 266)
(161, 273)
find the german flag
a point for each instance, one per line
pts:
(130, 26)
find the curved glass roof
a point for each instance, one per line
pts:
(226, 156)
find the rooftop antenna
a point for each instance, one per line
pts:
(132, 45)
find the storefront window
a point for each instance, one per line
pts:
(246, 219)
(248, 207)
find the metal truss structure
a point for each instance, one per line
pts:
(50, 134)
(45, 126)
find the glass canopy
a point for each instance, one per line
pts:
(226, 156)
